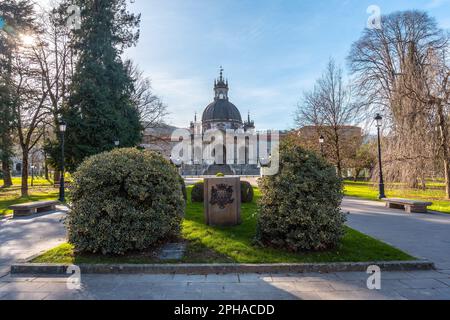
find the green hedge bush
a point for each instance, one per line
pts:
(299, 207)
(183, 188)
(246, 192)
(197, 192)
(124, 200)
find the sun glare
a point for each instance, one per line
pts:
(27, 40)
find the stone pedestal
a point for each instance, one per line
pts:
(222, 201)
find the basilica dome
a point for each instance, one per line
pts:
(221, 110)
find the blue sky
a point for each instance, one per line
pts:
(271, 50)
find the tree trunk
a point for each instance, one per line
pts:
(357, 173)
(338, 152)
(6, 168)
(46, 171)
(447, 178)
(338, 159)
(445, 151)
(24, 189)
(46, 166)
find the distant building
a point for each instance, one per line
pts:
(241, 157)
(222, 115)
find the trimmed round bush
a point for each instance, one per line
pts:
(299, 209)
(124, 200)
(246, 192)
(183, 188)
(197, 194)
(220, 175)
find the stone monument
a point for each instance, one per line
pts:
(222, 201)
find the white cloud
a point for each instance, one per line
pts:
(436, 3)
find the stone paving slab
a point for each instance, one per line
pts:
(172, 251)
(425, 284)
(431, 274)
(445, 281)
(424, 294)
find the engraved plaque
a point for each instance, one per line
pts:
(223, 201)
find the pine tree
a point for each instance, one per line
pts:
(100, 108)
(16, 17)
(5, 135)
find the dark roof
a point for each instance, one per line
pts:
(221, 110)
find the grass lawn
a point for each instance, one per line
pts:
(368, 190)
(42, 190)
(235, 245)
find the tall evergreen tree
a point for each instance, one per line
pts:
(100, 109)
(6, 144)
(17, 17)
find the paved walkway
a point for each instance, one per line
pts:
(421, 235)
(335, 286)
(25, 237)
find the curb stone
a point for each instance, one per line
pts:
(60, 269)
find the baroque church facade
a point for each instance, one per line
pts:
(240, 148)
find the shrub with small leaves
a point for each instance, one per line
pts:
(183, 188)
(124, 200)
(246, 192)
(299, 207)
(197, 194)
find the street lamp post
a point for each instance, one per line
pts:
(196, 165)
(321, 141)
(62, 130)
(379, 123)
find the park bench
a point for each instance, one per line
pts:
(27, 209)
(57, 184)
(410, 206)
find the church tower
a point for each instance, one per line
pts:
(221, 87)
